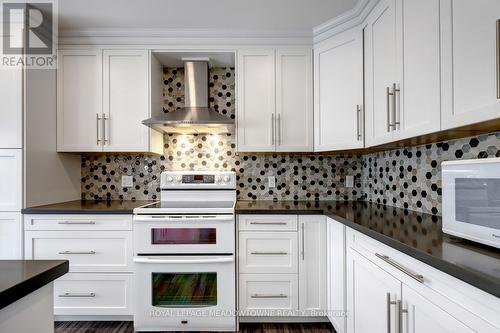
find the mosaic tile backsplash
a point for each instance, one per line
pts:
(408, 178)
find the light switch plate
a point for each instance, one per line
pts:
(271, 181)
(127, 181)
(349, 181)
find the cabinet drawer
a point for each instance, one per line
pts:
(78, 222)
(87, 251)
(93, 294)
(272, 292)
(268, 222)
(270, 252)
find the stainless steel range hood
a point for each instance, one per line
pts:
(196, 117)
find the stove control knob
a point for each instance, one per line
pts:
(178, 179)
(227, 179)
(218, 179)
(170, 179)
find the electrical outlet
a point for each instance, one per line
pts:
(349, 181)
(127, 181)
(271, 181)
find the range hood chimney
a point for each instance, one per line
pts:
(196, 117)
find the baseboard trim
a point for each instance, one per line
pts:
(283, 320)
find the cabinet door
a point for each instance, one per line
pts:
(11, 236)
(470, 59)
(256, 116)
(424, 316)
(338, 94)
(336, 288)
(11, 108)
(371, 296)
(294, 104)
(79, 100)
(125, 101)
(418, 107)
(11, 180)
(380, 72)
(312, 263)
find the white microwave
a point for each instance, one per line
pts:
(471, 200)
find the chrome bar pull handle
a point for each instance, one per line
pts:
(104, 118)
(98, 120)
(358, 119)
(401, 312)
(268, 223)
(498, 59)
(395, 109)
(395, 264)
(269, 296)
(279, 129)
(389, 303)
(76, 295)
(273, 123)
(76, 222)
(277, 253)
(388, 103)
(77, 252)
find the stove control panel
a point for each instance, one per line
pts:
(198, 180)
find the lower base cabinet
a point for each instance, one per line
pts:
(282, 265)
(386, 294)
(11, 236)
(92, 294)
(99, 250)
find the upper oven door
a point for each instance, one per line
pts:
(184, 234)
(471, 200)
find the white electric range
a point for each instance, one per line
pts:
(184, 254)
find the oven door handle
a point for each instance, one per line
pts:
(183, 261)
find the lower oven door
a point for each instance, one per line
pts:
(185, 293)
(184, 234)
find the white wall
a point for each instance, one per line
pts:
(50, 177)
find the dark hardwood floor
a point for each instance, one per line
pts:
(127, 327)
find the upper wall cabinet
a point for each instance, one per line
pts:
(11, 108)
(402, 70)
(274, 100)
(471, 61)
(102, 98)
(79, 101)
(338, 94)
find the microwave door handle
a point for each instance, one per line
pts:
(183, 261)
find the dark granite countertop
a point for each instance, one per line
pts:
(417, 235)
(88, 207)
(19, 278)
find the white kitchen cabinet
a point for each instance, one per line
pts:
(256, 100)
(91, 294)
(312, 263)
(11, 108)
(336, 274)
(102, 98)
(402, 70)
(424, 316)
(381, 72)
(294, 100)
(125, 100)
(11, 236)
(274, 111)
(418, 107)
(423, 299)
(338, 94)
(79, 100)
(11, 180)
(470, 58)
(371, 297)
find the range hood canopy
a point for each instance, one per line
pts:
(196, 117)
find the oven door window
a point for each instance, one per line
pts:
(477, 201)
(184, 289)
(161, 236)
